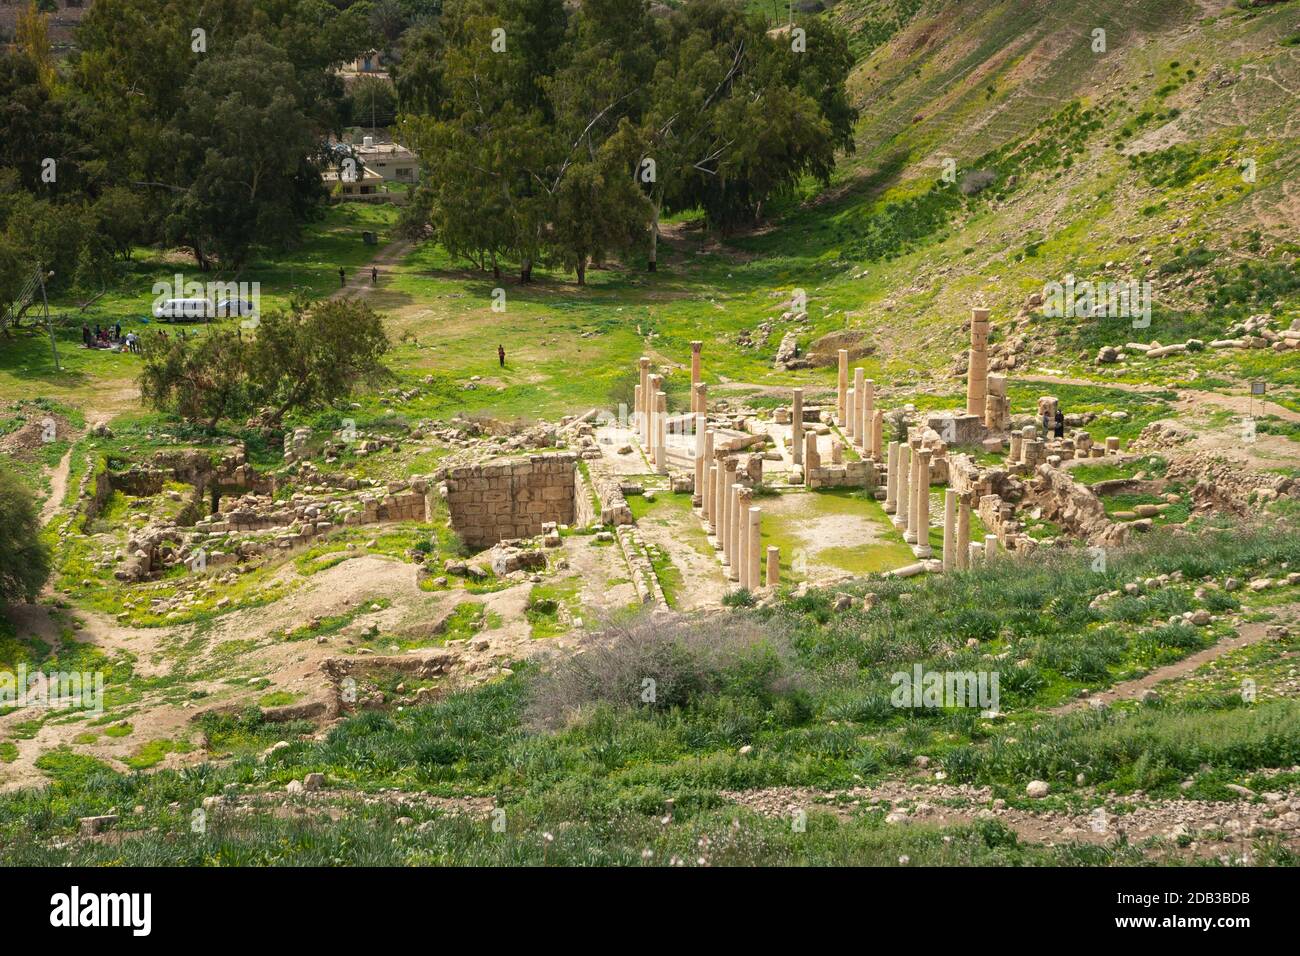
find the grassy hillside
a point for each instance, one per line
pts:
(795, 696)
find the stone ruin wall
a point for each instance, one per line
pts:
(514, 498)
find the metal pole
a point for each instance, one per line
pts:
(48, 327)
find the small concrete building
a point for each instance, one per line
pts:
(393, 163)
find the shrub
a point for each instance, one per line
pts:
(687, 660)
(24, 555)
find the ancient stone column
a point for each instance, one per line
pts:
(1112, 445)
(643, 408)
(850, 413)
(702, 443)
(997, 408)
(773, 565)
(700, 399)
(743, 532)
(754, 552)
(710, 497)
(796, 427)
(837, 453)
(913, 488)
(638, 412)
(902, 499)
(841, 395)
(976, 552)
(963, 531)
(651, 430)
(990, 546)
(1013, 455)
(726, 478)
(695, 372)
(891, 478)
(923, 503)
(949, 529)
(877, 434)
(978, 368)
(811, 458)
(863, 389)
(733, 534)
(661, 433)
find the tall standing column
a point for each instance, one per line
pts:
(643, 406)
(913, 484)
(710, 497)
(743, 498)
(773, 565)
(753, 554)
(726, 478)
(963, 532)
(700, 399)
(949, 529)
(661, 433)
(651, 404)
(638, 410)
(891, 478)
(850, 413)
(902, 501)
(877, 434)
(841, 394)
(977, 370)
(716, 512)
(866, 410)
(733, 533)
(695, 372)
(923, 549)
(702, 442)
(796, 427)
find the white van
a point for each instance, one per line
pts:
(183, 309)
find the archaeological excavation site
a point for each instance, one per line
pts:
(503, 434)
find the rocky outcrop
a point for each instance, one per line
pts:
(1074, 507)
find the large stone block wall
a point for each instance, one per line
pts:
(850, 474)
(513, 498)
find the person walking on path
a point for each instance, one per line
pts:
(374, 275)
(343, 278)
(501, 355)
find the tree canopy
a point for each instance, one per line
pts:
(306, 357)
(560, 135)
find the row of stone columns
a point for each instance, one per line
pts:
(907, 493)
(861, 422)
(736, 526)
(956, 530)
(650, 412)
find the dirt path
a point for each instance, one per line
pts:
(58, 488)
(360, 284)
(59, 477)
(1187, 400)
(1128, 690)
